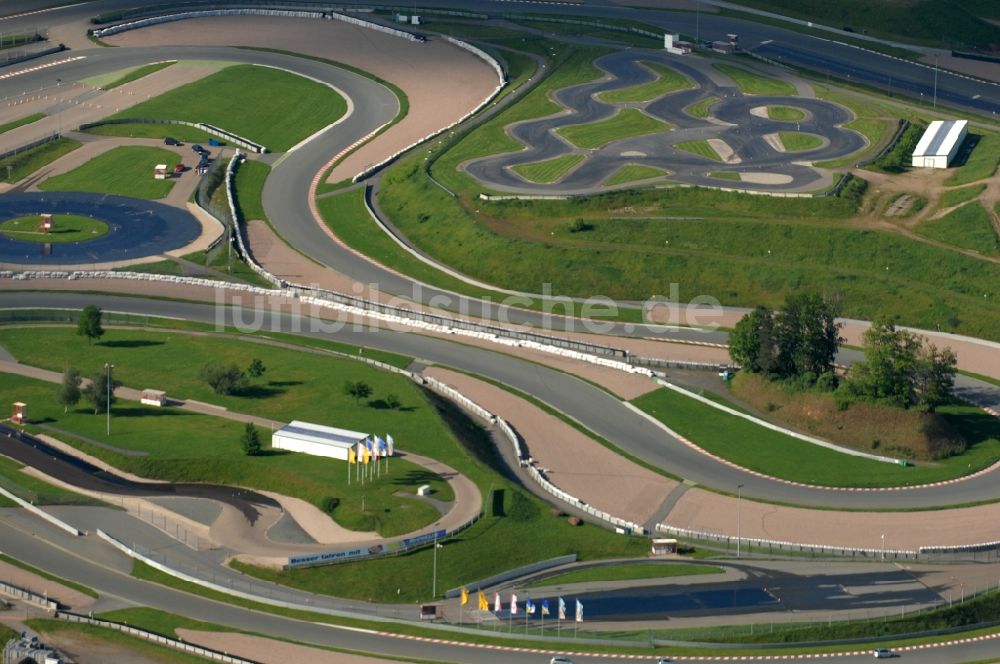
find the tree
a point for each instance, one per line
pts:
(224, 379)
(250, 440)
(934, 381)
(69, 391)
(100, 395)
(360, 390)
(89, 324)
(256, 368)
(392, 401)
(751, 343)
(807, 336)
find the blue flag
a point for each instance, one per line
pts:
(562, 609)
(545, 607)
(529, 607)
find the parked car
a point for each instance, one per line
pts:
(170, 140)
(197, 148)
(560, 660)
(664, 660)
(883, 653)
(179, 168)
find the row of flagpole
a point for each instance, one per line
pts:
(362, 453)
(530, 609)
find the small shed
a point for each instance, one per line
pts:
(153, 397)
(939, 144)
(20, 413)
(664, 547)
(316, 439)
(160, 171)
(45, 223)
(424, 490)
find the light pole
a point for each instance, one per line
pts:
(883, 546)
(434, 577)
(935, 79)
(109, 367)
(739, 497)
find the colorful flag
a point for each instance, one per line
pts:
(513, 604)
(389, 444)
(380, 446)
(545, 607)
(465, 595)
(529, 607)
(579, 611)
(352, 456)
(361, 452)
(484, 604)
(496, 604)
(367, 455)
(562, 609)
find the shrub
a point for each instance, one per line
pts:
(329, 504)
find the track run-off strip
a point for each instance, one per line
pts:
(38, 67)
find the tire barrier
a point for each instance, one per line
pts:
(235, 139)
(142, 23)
(375, 26)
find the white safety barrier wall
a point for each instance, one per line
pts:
(142, 23)
(525, 461)
(238, 230)
(40, 512)
(73, 275)
(376, 26)
(17, 592)
(207, 128)
(183, 646)
(502, 77)
(774, 427)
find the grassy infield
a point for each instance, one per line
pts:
(125, 171)
(65, 228)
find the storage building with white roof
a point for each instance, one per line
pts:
(316, 439)
(940, 143)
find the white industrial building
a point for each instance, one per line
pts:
(940, 143)
(316, 439)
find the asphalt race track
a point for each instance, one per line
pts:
(136, 228)
(741, 130)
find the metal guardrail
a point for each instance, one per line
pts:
(236, 139)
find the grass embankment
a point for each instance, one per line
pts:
(981, 164)
(25, 163)
(626, 123)
(940, 23)
(249, 185)
(754, 83)
(953, 197)
(667, 80)
(182, 446)
(550, 170)
(593, 31)
(20, 122)
(900, 157)
(79, 587)
(731, 176)
(633, 173)
(105, 639)
(252, 102)
(785, 113)
(968, 227)
(141, 130)
(124, 171)
(701, 109)
(874, 119)
(65, 228)
(135, 74)
(778, 455)
(794, 141)
(34, 490)
(625, 572)
(702, 148)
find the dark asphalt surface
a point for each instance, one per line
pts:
(136, 228)
(744, 134)
(32, 452)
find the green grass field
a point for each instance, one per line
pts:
(65, 228)
(550, 170)
(968, 227)
(249, 187)
(24, 164)
(794, 141)
(122, 644)
(624, 572)
(875, 119)
(251, 102)
(142, 130)
(954, 197)
(785, 113)
(124, 171)
(626, 123)
(763, 450)
(667, 80)
(86, 590)
(20, 122)
(136, 74)
(732, 176)
(982, 163)
(701, 148)
(753, 83)
(574, 30)
(701, 109)
(633, 173)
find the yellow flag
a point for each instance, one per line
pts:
(465, 595)
(352, 456)
(484, 604)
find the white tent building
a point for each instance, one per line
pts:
(939, 144)
(316, 439)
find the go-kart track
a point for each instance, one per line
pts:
(287, 203)
(732, 123)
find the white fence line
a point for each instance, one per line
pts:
(142, 23)
(376, 26)
(236, 228)
(207, 128)
(788, 546)
(40, 512)
(25, 595)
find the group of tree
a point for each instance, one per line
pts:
(800, 342)
(901, 369)
(359, 390)
(226, 379)
(97, 392)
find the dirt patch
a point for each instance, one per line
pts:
(42, 586)
(900, 206)
(84, 648)
(766, 178)
(270, 651)
(726, 153)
